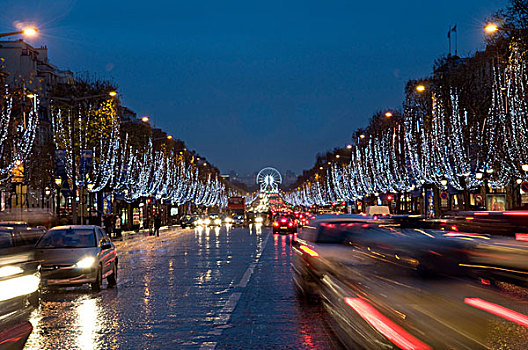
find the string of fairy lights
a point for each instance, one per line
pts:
(440, 147)
(119, 167)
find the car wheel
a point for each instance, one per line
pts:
(112, 279)
(98, 284)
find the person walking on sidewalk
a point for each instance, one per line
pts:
(157, 224)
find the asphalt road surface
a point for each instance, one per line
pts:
(195, 288)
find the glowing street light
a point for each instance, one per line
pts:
(28, 31)
(30, 95)
(388, 114)
(479, 175)
(524, 167)
(420, 88)
(112, 93)
(349, 146)
(362, 136)
(169, 137)
(338, 156)
(491, 28)
(145, 119)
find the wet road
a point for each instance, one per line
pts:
(197, 289)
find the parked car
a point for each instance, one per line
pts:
(76, 255)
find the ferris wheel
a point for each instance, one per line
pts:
(269, 180)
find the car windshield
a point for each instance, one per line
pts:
(68, 238)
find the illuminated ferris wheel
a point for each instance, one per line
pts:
(269, 180)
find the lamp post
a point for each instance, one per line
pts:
(70, 102)
(58, 182)
(29, 32)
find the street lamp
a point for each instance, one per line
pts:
(491, 28)
(28, 31)
(388, 114)
(479, 175)
(145, 119)
(349, 146)
(524, 167)
(443, 182)
(58, 182)
(362, 136)
(112, 93)
(420, 88)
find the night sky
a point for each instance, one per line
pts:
(252, 84)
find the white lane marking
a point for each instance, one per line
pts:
(208, 345)
(224, 315)
(247, 275)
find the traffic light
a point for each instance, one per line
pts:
(390, 197)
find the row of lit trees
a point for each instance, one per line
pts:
(465, 125)
(132, 162)
(97, 150)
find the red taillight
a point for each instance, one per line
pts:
(389, 329)
(498, 310)
(275, 224)
(290, 224)
(454, 228)
(470, 218)
(521, 236)
(283, 220)
(308, 250)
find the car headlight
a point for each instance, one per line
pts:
(199, 222)
(85, 263)
(259, 219)
(10, 270)
(228, 220)
(207, 221)
(218, 221)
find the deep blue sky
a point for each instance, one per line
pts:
(250, 84)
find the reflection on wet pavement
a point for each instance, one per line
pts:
(212, 287)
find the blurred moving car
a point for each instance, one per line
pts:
(377, 211)
(238, 220)
(284, 224)
(75, 255)
(19, 288)
(367, 274)
(189, 221)
(502, 250)
(30, 234)
(214, 219)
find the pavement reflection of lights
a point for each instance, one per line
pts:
(87, 321)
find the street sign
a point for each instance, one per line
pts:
(478, 198)
(444, 195)
(524, 186)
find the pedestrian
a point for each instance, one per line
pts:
(157, 224)
(118, 226)
(107, 221)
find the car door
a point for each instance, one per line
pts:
(107, 255)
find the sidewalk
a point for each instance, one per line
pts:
(142, 232)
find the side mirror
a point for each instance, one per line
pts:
(106, 245)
